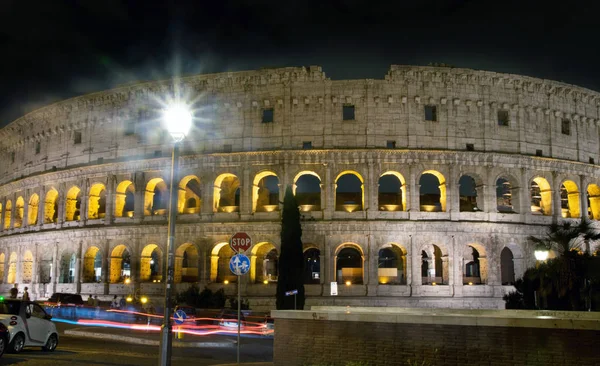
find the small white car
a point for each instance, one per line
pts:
(28, 325)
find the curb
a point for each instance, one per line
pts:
(248, 364)
(147, 342)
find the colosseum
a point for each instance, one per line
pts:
(418, 189)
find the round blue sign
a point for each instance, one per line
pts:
(179, 317)
(239, 264)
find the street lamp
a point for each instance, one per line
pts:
(177, 119)
(541, 252)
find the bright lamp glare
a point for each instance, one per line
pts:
(541, 255)
(178, 121)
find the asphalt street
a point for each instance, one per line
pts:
(85, 351)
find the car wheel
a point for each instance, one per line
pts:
(51, 343)
(17, 343)
(2, 345)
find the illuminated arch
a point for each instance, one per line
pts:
(507, 197)
(125, 199)
(470, 194)
(189, 195)
(475, 264)
(73, 204)
(156, 197)
(349, 264)
(97, 201)
(27, 267)
(19, 211)
(12, 268)
(92, 265)
(354, 198)
(220, 256)
(593, 192)
(186, 263)
(2, 262)
(569, 199)
(67, 265)
(151, 264)
(434, 265)
(120, 264)
(264, 263)
(507, 267)
(265, 192)
(429, 201)
(312, 264)
(541, 196)
(226, 193)
(390, 198)
(7, 214)
(51, 206)
(307, 189)
(32, 210)
(392, 264)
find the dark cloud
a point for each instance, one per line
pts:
(57, 49)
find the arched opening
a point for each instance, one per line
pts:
(73, 205)
(472, 268)
(433, 266)
(186, 263)
(189, 195)
(125, 199)
(2, 260)
(349, 192)
(92, 265)
(156, 197)
(97, 202)
(349, 266)
(541, 197)
(307, 189)
(7, 215)
(264, 263)
(120, 264)
(68, 262)
(27, 267)
(391, 196)
(265, 192)
(1, 212)
(392, 265)
(219, 264)
(468, 194)
(151, 263)
(12, 268)
(432, 191)
(569, 200)
(507, 267)
(44, 265)
(19, 211)
(312, 266)
(504, 196)
(32, 210)
(593, 196)
(51, 207)
(227, 193)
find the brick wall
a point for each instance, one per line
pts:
(317, 342)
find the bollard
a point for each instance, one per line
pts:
(179, 333)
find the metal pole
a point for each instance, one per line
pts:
(239, 319)
(294, 301)
(167, 327)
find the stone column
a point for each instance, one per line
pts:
(41, 206)
(452, 193)
(106, 267)
(246, 194)
(34, 266)
(85, 202)
(370, 191)
(140, 191)
(414, 189)
(415, 280)
(583, 197)
(54, 269)
(208, 197)
(2, 215)
(78, 267)
(110, 200)
(523, 195)
(13, 210)
(25, 218)
(19, 277)
(203, 274)
(62, 199)
(328, 189)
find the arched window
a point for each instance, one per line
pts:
(227, 193)
(7, 214)
(219, 264)
(569, 200)
(264, 263)
(51, 206)
(391, 196)
(151, 264)
(468, 194)
(392, 266)
(97, 202)
(507, 267)
(156, 197)
(432, 191)
(472, 274)
(349, 266)
(73, 205)
(307, 188)
(125, 199)
(67, 267)
(2, 259)
(504, 196)
(541, 197)
(349, 192)
(593, 196)
(92, 265)
(189, 195)
(265, 192)
(186, 263)
(432, 266)
(19, 211)
(32, 210)
(312, 266)
(27, 267)
(12, 268)
(120, 264)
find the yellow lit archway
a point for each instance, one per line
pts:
(219, 263)
(7, 214)
(189, 195)
(125, 199)
(593, 191)
(73, 204)
(32, 210)
(264, 263)
(428, 204)
(51, 206)
(307, 189)
(90, 270)
(390, 201)
(186, 263)
(119, 264)
(97, 202)
(156, 197)
(226, 193)
(27, 267)
(12, 268)
(151, 263)
(2, 262)
(353, 200)
(349, 264)
(569, 199)
(262, 198)
(541, 196)
(19, 211)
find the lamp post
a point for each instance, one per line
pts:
(178, 120)
(541, 254)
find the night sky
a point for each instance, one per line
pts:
(55, 49)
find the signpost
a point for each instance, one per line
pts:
(239, 265)
(179, 318)
(290, 293)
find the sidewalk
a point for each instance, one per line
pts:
(151, 338)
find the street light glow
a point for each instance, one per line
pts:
(178, 121)
(541, 255)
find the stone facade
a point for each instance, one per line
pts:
(84, 185)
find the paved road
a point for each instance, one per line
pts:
(83, 351)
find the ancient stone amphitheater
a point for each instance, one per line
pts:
(418, 189)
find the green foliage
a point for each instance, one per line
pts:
(291, 260)
(205, 299)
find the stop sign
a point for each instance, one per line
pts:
(240, 242)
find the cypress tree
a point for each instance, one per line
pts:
(291, 259)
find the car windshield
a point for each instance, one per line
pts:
(10, 307)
